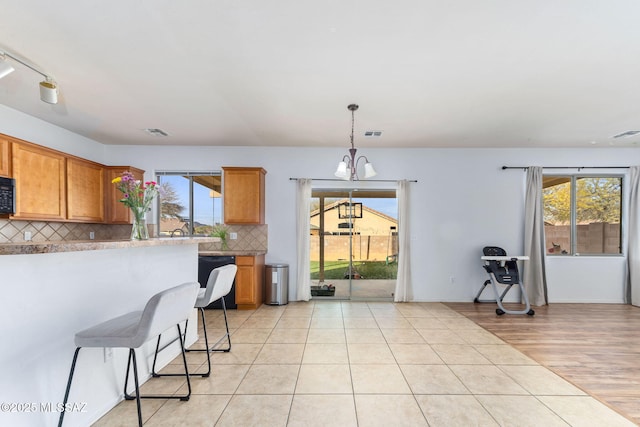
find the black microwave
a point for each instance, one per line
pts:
(7, 195)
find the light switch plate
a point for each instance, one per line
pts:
(233, 236)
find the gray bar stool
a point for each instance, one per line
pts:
(218, 286)
(164, 310)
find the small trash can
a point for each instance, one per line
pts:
(276, 284)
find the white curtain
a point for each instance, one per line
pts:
(303, 229)
(535, 279)
(632, 291)
(403, 282)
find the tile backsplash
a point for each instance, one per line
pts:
(13, 231)
(250, 237)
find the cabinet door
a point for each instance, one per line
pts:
(249, 282)
(40, 176)
(117, 212)
(5, 157)
(85, 191)
(245, 281)
(243, 195)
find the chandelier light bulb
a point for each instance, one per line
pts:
(341, 172)
(369, 171)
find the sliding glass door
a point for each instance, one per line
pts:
(353, 244)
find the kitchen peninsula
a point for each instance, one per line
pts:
(51, 290)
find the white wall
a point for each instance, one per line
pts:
(585, 279)
(461, 202)
(19, 125)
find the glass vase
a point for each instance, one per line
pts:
(139, 230)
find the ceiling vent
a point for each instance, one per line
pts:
(627, 134)
(373, 133)
(156, 132)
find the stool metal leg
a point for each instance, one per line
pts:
(132, 356)
(66, 394)
(158, 350)
(206, 339)
(186, 374)
(228, 335)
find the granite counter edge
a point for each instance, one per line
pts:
(26, 248)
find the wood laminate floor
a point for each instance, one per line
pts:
(594, 346)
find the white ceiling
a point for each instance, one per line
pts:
(428, 73)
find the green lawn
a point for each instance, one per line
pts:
(367, 270)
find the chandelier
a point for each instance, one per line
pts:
(348, 166)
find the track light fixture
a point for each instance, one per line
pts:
(348, 167)
(5, 67)
(49, 91)
(48, 87)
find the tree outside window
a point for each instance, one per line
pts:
(190, 203)
(582, 214)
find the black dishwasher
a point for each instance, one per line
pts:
(205, 265)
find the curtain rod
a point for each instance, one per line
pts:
(343, 180)
(568, 167)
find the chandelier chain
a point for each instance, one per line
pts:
(353, 113)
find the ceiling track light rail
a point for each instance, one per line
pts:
(48, 87)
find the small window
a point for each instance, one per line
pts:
(582, 214)
(190, 203)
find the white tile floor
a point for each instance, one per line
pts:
(364, 364)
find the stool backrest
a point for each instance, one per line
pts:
(220, 282)
(165, 310)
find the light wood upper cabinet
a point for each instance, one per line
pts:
(117, 212)
(5, 157)
(40, 175)
(85, 191)
(54, 186)
(249, 282)
(243, 195)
